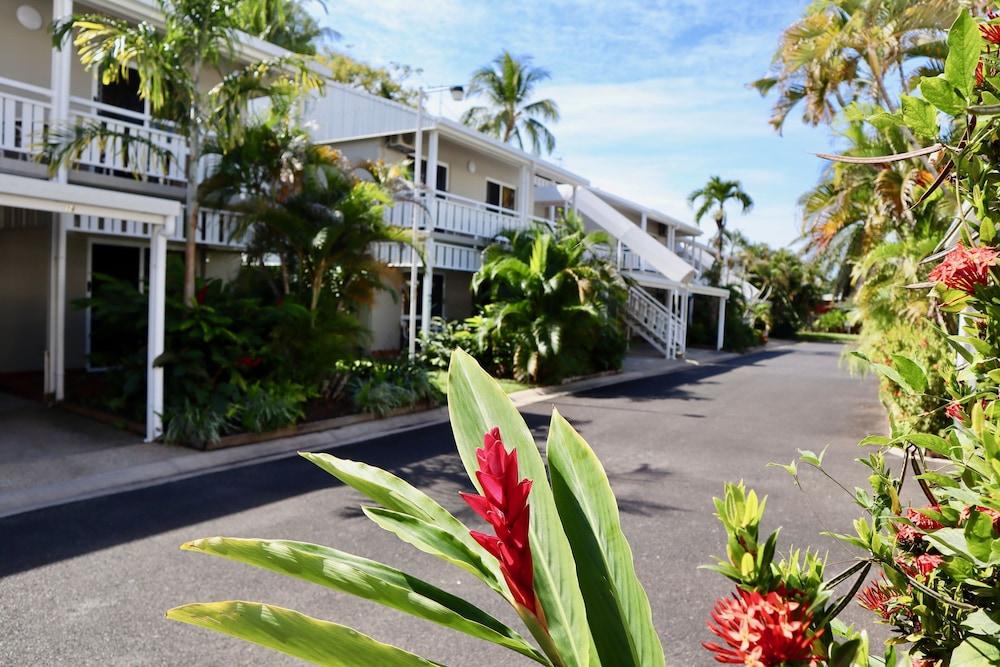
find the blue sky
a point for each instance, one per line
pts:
(653, 95)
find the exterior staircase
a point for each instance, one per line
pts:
(662, 327)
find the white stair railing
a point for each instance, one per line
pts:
(660, 326)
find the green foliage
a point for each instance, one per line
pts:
(268, 406)
(446, 336)
(379, 387)
(553, 306)
(593, 609)
(793, 285)
(194, 424)
(834, 320)
(511, 116)
(715, 195)
(388, 82)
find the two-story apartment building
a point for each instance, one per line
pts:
(104, 214)
(476, 188)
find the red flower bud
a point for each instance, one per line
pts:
(504, 505)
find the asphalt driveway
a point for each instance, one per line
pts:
(88, 583)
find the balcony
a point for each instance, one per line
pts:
(462, 217)
(26, 121)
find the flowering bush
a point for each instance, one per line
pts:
(555, 551)
(938, 562)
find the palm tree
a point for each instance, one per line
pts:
(311, 208)
(508, 83)
(845, 50)
(715, 195)
(173, 62)
(553, 303)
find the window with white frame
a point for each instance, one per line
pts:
(500, 196)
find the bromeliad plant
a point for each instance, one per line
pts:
(554, 551)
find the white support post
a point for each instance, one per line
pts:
(428, 291)
(687, 307)
(620, 255)
(671, 237)
(155, 331)
(415, 223)
(722, 324)
(644, 225)
(573, 203)
(525, 198)
(432, 162)
(56, 345)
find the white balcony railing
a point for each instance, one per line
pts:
(453, 214)
(25, 112)
(26, 122)
(215, 228)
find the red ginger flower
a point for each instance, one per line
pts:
(955, 411)
(922, 521)
(965, 268)
(504, 505)
(762, 630)
(991, 32)
(878, 597)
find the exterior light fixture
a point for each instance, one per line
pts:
(457, 93)
(29, 17)
(471, 166)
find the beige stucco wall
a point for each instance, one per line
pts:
(221, 264)
(382, 316)
(366, 149)
(473, 186)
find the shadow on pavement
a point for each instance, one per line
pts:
(53, 534)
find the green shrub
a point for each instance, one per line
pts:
(379, 387)
(832, 321)
(195, 424)
(268, 406)
(445, 337)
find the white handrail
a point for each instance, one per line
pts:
(26, 87)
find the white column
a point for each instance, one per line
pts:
(526, 198)
(573, 204)
(620, 255)
(428, 291)
(644, 225)
(671, 237)
(155, 331)
(432, 162)
(722, 324)
(417, 159)
(59, 84)
(686, 305)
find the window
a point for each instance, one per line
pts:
(442, 175)
(500, 196)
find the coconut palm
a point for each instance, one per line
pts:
(553, 301)
(715, 195)
(197, 41)
(508, 84)
(842, 51)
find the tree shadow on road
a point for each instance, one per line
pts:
(425, 457)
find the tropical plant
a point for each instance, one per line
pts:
(834, 320)
(309, 206)
(715, 194)
(197, 41)
(509, 84)
(554, 303)
(843, 51)
(188, 423)
(388, 82)
(290, 25)
(381, 386)
(446, 336)
(793, 285)
(268, 406)
(555, 552)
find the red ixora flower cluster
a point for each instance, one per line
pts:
(762, 630)
(504, 505)
(965, 268)
(247, 361)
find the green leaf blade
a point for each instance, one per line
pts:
(369, 580)
(965, 43)
(921, 117)
(617, 606)
(476, 404)
(295, 634)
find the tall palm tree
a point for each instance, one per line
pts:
(173, 63)
(842, 51)
(508, 83)
(715, 195)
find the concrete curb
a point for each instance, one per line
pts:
(196, 463)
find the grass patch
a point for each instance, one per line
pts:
(826, 337)
(440, 380)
